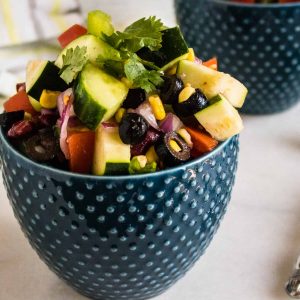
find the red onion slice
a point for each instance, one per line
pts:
(60, 101)
(170, 123)
(145, 110)
(66, 114)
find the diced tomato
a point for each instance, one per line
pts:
(81, 148)
(20, 101)
(71, 34)
(212, 63)
(202, 142)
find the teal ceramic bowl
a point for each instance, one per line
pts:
(120, 237)
(257, 43)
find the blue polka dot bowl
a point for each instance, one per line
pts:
(124, 237)
(257, 43)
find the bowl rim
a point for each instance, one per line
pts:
(52, 170)
(257, 5)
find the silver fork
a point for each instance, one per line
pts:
(293, 284)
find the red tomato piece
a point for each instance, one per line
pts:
(71, 34)
(212, 63)
(20, 101)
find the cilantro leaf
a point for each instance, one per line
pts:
(140, 76)
(142, 33)
(73, 62)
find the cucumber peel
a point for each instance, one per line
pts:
(212, 82)
(221, 120)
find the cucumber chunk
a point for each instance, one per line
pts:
(174, 49)
(42, 75)
(95, 48)
(99, 23)
(220, 119)
(111, 156)
(212, 82)
(98, 96)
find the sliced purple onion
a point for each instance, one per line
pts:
(198, 61)
(60, 101)
(65, 116)
(145, 110)
(109, 124)
(45, 111)
(74, 121)
(170, 123)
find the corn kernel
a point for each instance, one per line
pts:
(157, 107)
(191, 55)
(175, 146)
(66, 99)
(186, 93)
(142, 159)
(48, 99)
(185, 136)
(27, 116)
(172, 71)
(119, 114)
(151, 155)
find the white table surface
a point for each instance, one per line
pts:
(254, 250)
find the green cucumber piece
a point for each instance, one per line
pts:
(99, 23)
(98, 96)
(111, 156)
(220, 119)
(42, 75)
(95, 48)
(212, 82)
(174, 49)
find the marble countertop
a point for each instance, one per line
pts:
(251, 255)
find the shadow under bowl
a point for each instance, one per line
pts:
(259, 44)
(123, 237)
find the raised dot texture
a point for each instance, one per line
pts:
(254, 45)
(134, 248)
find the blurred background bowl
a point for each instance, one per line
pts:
(120, 237)
(257, 43)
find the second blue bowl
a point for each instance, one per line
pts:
(256, 43)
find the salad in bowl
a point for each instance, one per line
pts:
(117, 103)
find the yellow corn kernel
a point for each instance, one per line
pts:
(175, 146)
(142, 159)
(119, 114)
(151, 155)
(48, 99)
(172, 71)
(191, 55)
(66, 99)
(186, 93)
(157, 107)
(185, 136)
(27, 116)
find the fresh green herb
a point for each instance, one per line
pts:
(139, 165)
(140, 76)
(73, 62)
(142, 33)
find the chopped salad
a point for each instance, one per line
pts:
(128, 102)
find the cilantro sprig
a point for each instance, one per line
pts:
(144, 33)
(73, 62)
(140, 76)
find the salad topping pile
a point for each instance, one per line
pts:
(129, 102)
